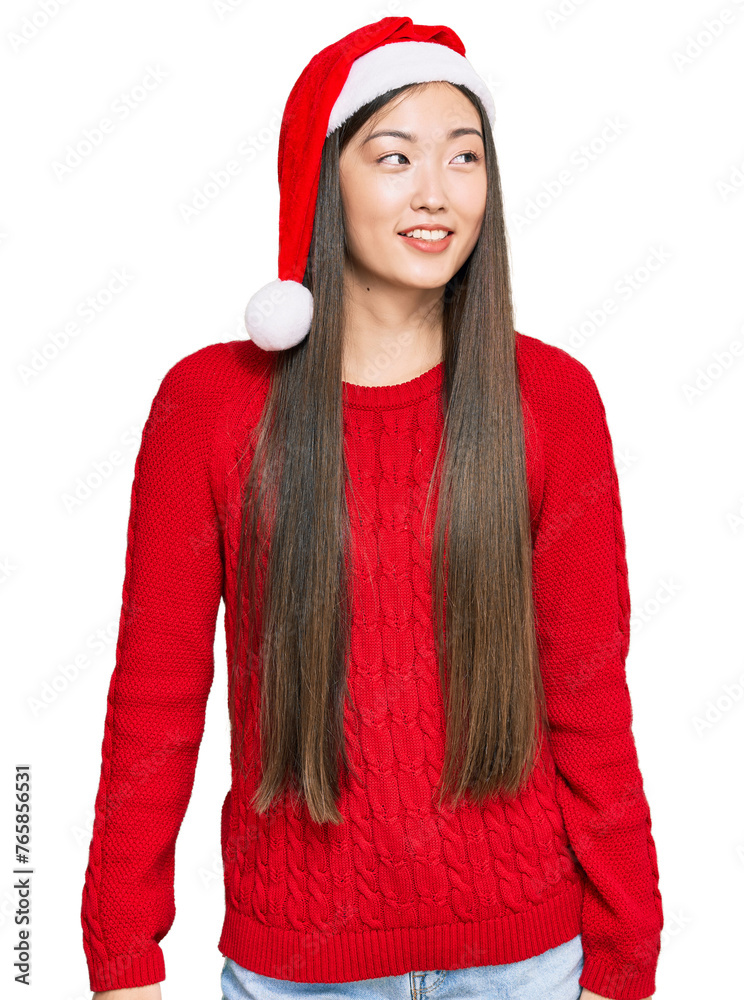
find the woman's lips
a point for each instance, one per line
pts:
(428, 246)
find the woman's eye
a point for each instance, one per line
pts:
(382, 159)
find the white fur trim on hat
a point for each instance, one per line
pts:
(399, 63)
(278, 315)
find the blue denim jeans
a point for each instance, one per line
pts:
(553, 975)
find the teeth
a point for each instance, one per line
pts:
(427, 234)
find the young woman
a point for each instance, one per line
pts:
(412, 513)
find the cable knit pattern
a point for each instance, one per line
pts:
(401, 884)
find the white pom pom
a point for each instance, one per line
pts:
(278, 316)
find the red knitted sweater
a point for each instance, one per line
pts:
(401, 884)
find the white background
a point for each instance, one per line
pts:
(658, 186)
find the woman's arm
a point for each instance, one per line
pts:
(134, 993)
(160, 683)
(582, 608)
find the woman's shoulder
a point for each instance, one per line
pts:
(542, 362)
(216, 389)
(556, 383)
(224, 364)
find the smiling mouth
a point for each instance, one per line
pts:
(431, 239)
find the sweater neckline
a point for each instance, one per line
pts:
(396, 395)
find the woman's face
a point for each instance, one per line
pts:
(431, 172)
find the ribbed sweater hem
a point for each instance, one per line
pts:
(347, 956)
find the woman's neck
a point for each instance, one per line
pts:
(385, 367)
(391, 339)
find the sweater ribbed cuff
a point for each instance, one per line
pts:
(616, 984)
(127, 970)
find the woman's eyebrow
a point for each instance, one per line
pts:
(454, 133)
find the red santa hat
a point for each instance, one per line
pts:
(336, 82)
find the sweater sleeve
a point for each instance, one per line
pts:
(582, 608)
(159, 685)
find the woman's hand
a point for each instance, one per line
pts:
(588, 995)
(131, 993)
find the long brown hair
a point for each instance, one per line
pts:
(294, 495)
